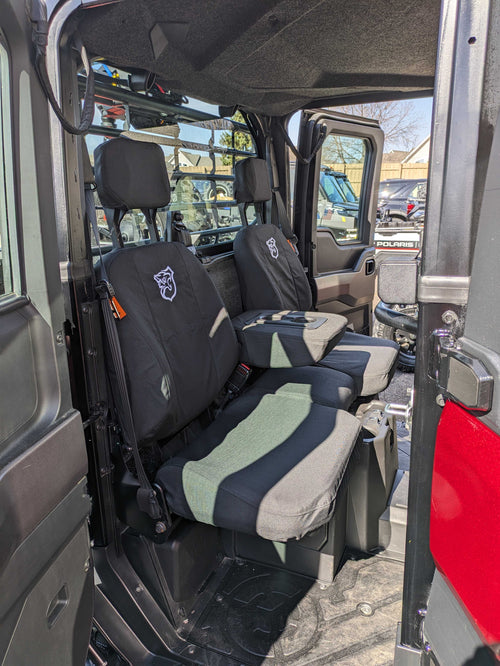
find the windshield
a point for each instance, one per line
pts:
(333, 191)
(346, 188)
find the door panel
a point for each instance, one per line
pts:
(35, 483)
(27, 359)
(54, 611)
(350, 292)
(343, 193)
(465, 510)
(329, 253)
(465, 517)
(46, 574)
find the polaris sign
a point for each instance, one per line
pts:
(396, 244)
(398, 240)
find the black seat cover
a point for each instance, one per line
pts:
(178, 344)
(271, 276)
(271, 463)
(270, 272)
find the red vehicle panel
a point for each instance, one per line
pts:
(465, 515)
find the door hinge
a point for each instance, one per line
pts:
(460, 377)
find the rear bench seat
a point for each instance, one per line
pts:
(277, 281)
(272, 462)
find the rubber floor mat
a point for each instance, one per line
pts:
(262, 615)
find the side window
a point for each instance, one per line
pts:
(343, 163)
(6, 285)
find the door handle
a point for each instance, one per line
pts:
(57, 605)
(369, 266)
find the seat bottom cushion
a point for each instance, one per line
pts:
(321, 385)
(270, 465)
(371, 362)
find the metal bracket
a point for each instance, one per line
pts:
(460, 376)
(442, 339)
(403, 411)
(443, 289)
(408, 656)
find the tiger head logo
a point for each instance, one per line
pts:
(166, 283)
(273, 248)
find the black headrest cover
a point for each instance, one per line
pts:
(131, 174)
(251, 181)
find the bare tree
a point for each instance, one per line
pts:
(399, 121)
(338, 149)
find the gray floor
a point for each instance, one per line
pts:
(266, 616)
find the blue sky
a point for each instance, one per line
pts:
(423, 109)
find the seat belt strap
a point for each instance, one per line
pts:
(147, 498)
(234, 385)
(283, 221)
(150, 215)
(279, 214)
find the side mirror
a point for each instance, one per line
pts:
(397, 280)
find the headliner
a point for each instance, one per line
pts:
(273, 57)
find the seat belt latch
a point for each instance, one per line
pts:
(238, 379)
(148, 502)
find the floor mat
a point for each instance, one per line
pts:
(261, 615)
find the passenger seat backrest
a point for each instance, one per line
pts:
(131, 174)
(271, 275)
(177, 341)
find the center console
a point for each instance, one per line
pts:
(287, 338)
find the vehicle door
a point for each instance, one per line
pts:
(335, 212)
(465, 500)
(46, 574)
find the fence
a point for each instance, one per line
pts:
(389, 170)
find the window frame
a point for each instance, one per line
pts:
(8, 228)
(362, 219)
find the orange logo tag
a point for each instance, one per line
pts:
(116, 308)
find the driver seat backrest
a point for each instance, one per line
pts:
(177, 341)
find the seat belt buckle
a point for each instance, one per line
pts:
(167, 515)
(238, 379)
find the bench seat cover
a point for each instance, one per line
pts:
(270, 465)
(321, 385)
(371, 362)
(272, 277)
